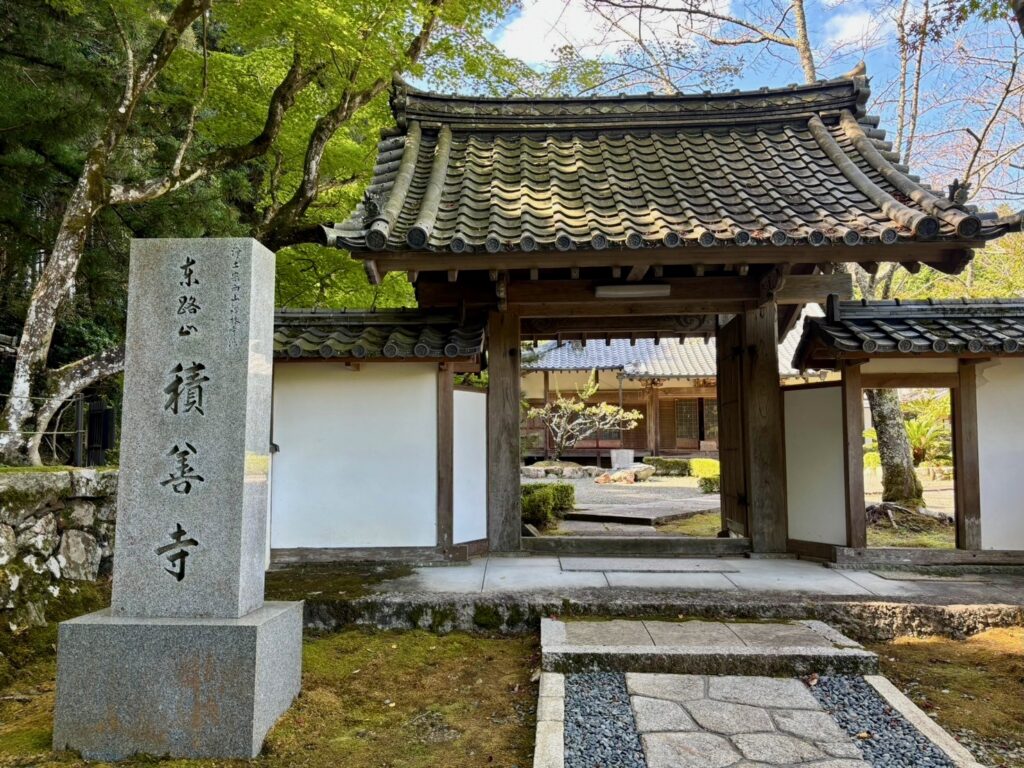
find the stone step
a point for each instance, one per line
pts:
(774, 649)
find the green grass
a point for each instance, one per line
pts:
(704, 525)
(6, 470)
(369, 700)
(912, 530)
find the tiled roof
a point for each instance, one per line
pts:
(803, 164)
(669, 358)
(862, 329)
(366, 335)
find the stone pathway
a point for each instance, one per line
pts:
(694, 721)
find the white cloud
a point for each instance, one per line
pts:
(545, 25)
(854, 29)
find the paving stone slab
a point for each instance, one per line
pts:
(701, 633)
(776, 748)
(762, 692)
(631, 633)
(650, 564)
(671, 687)
(654, 715)
(806, 724)
(728, 719)
(688, 750)
(777, 635)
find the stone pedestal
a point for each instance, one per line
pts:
(175, 687)
(188, 661)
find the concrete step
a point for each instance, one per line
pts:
(773, 649)
(646, 546)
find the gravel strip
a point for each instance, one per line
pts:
(600, 731)
(893, 742)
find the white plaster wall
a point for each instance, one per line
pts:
(901, 365)
(1001, 452)
(357, 465)
(469, 464)
(815, 479)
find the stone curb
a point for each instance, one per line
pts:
(709, 660)
(549, 748)
(955, 751)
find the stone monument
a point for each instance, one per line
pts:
(188, 661)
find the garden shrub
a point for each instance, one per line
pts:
(538, 505)
(872, 460)
(667, 466)
(710, 484)
(564, 495)
(705, 468)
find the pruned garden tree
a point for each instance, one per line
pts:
(571, 419)
(271, 106)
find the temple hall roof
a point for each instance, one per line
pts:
(959, 328)
(803, 165)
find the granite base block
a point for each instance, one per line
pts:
(185, 688)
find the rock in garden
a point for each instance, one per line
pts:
(41, 536)
(82, 556)
(532, 473)
(8, 545)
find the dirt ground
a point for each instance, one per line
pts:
(922, 533)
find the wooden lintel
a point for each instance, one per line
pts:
(639, 326)
(372, 271)
(686, 295)
(636, 274)
(910, 380)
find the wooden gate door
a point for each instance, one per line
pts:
(730, 428)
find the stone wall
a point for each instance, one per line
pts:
(56, 528)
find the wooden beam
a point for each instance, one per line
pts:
(639, 326)
(652, 420)
(704, 291)
(762, 408)
(637, 273)
(731, 434)
(853, 466)
(935, 253)
(372, 271)
(504, 509)
(445, 457)
(910, 380)
(967, 484)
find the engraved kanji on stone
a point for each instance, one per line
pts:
(184, 473)
(185, 391)
(189, 275)
(187, 330)
(177, 558)
(187, 305)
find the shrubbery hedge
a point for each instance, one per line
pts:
(708, 473)
(543, 502)
(711, 484)
(667, 466)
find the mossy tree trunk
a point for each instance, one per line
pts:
(899, 481)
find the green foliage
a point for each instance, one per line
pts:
(705, 467)
(538, 505)
(564, 496)
(872, 460)
(710, 484)
(668, 466)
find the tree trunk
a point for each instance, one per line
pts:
(47, 297)
(899, 481)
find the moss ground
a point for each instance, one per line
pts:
(706, 524)
(972, 687)
(369, 700)
(327, 582)
(913, 531)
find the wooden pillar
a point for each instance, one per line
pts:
(967, 482)
(504, 509)
(763, 443)
(445, 457)
(652, 418)
(731, 454)
(853, 466)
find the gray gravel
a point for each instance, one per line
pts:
(600, 731)
(893, 742)
(657, 489)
